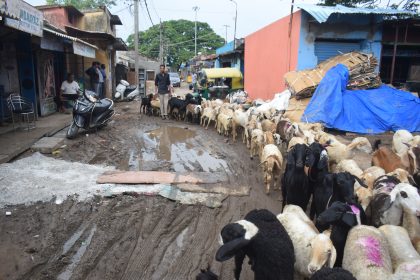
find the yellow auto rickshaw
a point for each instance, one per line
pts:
(219, 82)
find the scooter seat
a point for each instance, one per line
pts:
(102, 105)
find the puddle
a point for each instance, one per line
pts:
(179, 147)
(66, 274)
(69, 243)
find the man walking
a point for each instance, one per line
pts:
(93, 77)
(162, 87)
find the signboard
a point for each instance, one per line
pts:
(83, 50)
(31, 20)
(51, 43)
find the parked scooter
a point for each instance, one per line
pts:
(90, 112)
(125, 91)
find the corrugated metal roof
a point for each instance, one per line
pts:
(322, 13)
(69, 37)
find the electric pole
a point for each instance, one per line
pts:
(136, 39)
(226, 27)
(195, 9)
(236, 19)
(160, 44)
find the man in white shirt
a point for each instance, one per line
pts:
(69, 89)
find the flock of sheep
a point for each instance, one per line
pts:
(362, 224)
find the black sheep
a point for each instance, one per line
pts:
(146, 106)
(206, 274)
(342, 217)
(335, 187)
(335, 273)
(318, 171)
(262, 238)
(295, 184)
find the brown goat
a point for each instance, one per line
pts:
(385, 158)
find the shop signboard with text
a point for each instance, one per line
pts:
(30, 19)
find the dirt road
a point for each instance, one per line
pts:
(130, 236)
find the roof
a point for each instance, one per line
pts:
(74, 39)
(214, 73)
(88, 34)
(68, 7)
(120, 45)
(322, 13)
(5, 13)
(115, 20)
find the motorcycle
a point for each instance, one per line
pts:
(89, 112)
(125, 91)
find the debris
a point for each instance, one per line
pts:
(58, 201)
(63, 147)
(8, 213)
(210, 200)
(56, 152)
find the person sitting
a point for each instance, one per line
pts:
(69, 90)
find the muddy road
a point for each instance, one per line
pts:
(134, 236)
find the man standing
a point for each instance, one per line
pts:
(93, 77)
(103, 72)
(100, 81)
(162, 87)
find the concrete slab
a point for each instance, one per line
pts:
(47, 145)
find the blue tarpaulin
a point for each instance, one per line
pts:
(362, 111)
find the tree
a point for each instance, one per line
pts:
(83, 4)
(178, 38)
(409, 5)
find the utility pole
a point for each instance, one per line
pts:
(136, 39)
(195, 9)
(226, 27)
(236, 19)
(160, 44)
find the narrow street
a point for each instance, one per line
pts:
(130, 236)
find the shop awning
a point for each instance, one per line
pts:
(80, 47)
(120, 45)
(214, 73)
(4, 12)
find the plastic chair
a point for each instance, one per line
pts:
(19, 105)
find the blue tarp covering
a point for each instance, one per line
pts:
(362, 111)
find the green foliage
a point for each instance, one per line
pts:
(83, 4)
(178, 38)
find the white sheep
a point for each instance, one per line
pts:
(415, 142)
(412, 225)
(209, 114)
(257, 142)
(240, 119)
(294, 141)
(400, 141)
(368, 176)
(337, 151)
(366, 254)
(400, 248)
(349, 165)
(313, 250)
(402, 175)
(272, 161)
(224, 124)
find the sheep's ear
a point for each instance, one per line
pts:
(360, 181)
(349, 219)
(332, 258)
(310, 158)
(228, 250)
(290, 157)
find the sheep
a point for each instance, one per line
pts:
(209, 114)
(415, 142)
(268, 125)
(272, 161)
(240, 119)
(269, 138)
(336, 273)
(400, 248)
(412, 225)
(400, 139)
(257, 142)
(155, 106)
(250, 126)
(350, 166)
(224, 124)
(315, 127)
(402, 175)
(313, 250)
(388, 208)
(285, 130)
(262, 238)
(337, 151)
(342, 217)
(294, 141)
(193, 111)
(295, 184)
(386, 159)
(146, 106)
(366, 254)
(370, 174)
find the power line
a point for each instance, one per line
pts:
(154, 9)
(147, 8)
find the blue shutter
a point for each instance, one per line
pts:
(327, 49)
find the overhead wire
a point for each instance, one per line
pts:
(148, 12)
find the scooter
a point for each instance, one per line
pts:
(89, 112)
(125, 91)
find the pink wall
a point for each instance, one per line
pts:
(267, 57)
(57, 16)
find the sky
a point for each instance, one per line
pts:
(252, 14)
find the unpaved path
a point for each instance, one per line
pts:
(134, 237)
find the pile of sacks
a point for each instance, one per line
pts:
(302, 84)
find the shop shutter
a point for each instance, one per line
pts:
(327, 49)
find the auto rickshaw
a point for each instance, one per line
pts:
(217, 83)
